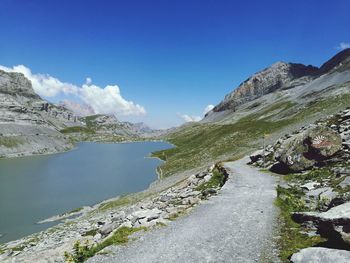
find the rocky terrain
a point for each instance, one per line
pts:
(97, 225)
(316, 189)
(28, 124)
(276, 101)
(281, 76)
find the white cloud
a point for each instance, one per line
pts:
(106, 100)
(189, 118)
(208, 108)
(194, 118)
(88, 81)
(44, 84)
(109, 101)
(343, 45)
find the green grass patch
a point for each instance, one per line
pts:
(77, 129)
(10, 141)
(115, 203)
(83, 252)
(91, 232)
(216, 181)
(292, 239)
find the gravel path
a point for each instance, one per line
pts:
(234, 226)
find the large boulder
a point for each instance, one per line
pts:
(321, 255)
(309, 147)
(333, 224)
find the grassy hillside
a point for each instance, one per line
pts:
(201, 144)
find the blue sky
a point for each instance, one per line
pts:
(169, 57)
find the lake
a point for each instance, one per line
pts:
(38, 187)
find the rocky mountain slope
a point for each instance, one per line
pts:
(287, 81)
(28, 124)
(276, 101)
(314, 195)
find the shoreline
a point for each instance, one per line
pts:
(84, 210)
(103, 216)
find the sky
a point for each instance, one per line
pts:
(161, 62)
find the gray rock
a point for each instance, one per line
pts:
(209, 191)
(106, 229)
(310, 186)
(304, 150)
(321, 255)
(345, 182)
(147, 213)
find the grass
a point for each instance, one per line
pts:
(292, 239)
(216, 181)
(115, 203)
(77, 129)
(199, 144)
(83, 252)
(10, 141)
(91, 232)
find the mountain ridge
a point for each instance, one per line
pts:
(279, 76)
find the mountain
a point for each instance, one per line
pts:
(289, 81)
(28, 124)
(109, 125)
(280, 75)
(79, 109)
(269, 104)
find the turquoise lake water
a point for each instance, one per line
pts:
(38, 187)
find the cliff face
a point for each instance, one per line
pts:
(28, 124)
(281, 76)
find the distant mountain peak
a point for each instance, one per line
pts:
(335, 61)
(277, 76)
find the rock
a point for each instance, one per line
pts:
(321, 255)
(118, 217)
(126, 224)
(207, 178)
(333, 224)
(148, 214)
(191, 201)
(310, 186)
(106, 229)
(189, 193)
(255, 156)
(311, 146)
(328, 195)
(209, 191)
(201, 174)
(345, 182)
(211, 168)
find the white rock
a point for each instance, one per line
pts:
(321, 255)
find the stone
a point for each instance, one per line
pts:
(126, 224)
(201, 174)
(332, 224)
(311, 146)
(119, 216)
(345, 182)
(189, 193)
(328, 195)
(108, 228)
(310, 186)
(255, 156)
(321, 255)
(147, 213)
(207, 178)
(209, 191)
